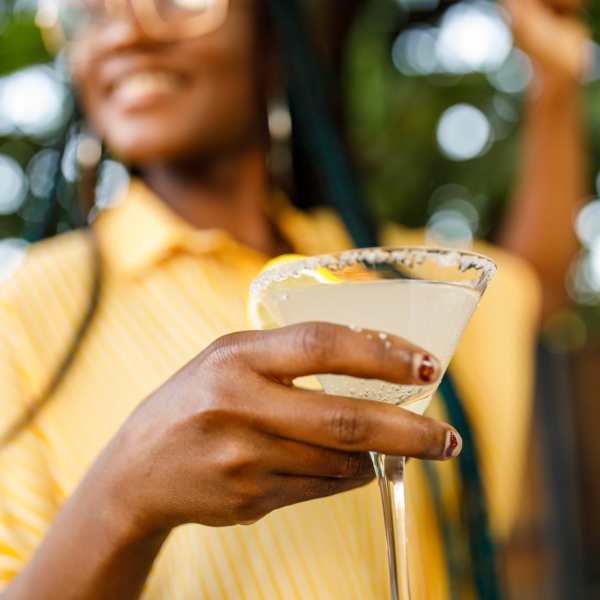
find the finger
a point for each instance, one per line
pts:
(353, 425)
(294, 458)
(290, 490)
(315, 348)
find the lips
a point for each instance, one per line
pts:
(144, 87)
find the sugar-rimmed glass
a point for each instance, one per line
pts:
(425, 295)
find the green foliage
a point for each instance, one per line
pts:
(393, 121)
(20, 44)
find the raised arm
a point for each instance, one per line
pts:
(552, 184)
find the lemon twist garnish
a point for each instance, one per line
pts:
(259, 315)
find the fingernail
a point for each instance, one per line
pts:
(425, 368)
(454, 444)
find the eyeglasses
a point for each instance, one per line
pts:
(159, 19)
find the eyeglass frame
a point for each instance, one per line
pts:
(145, 13)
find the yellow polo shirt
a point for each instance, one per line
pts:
(169, 291)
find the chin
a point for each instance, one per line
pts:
(139, 145)
(146, 141)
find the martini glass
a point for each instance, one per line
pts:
(424, 295)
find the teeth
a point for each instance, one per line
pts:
(148, 82)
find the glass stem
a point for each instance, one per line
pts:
(390, 475)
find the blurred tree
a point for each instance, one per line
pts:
(20, 41)
(431, 95)
(395, 115)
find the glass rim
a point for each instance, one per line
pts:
(379, 255)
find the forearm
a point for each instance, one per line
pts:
(539, 224)
(92, 551)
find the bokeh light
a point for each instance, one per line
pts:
(587, 224)
(113, 179)
(13, 185)
(593, 72)
(514, 75)
(454, 220)
(41, 171)
(463, 132)
(473, 37)
(414, 51)
(505, 108)
(25, 7)
(7, 126)
(34, 101)
(451, 228)
(70, 165)
(584, 278)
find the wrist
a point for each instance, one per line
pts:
(553, 89)
(121, 503)
(567, 76)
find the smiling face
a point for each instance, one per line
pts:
(154, 101)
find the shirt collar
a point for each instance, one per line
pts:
(140, 230)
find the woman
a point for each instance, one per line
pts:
(96, 486)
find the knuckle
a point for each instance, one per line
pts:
(317, 340)
(238, 463)
(224, 349)
(215, 415)
(224, 388)
(347, 426)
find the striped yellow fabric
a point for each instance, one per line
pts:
(169, 291)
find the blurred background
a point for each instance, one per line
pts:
(432, 97)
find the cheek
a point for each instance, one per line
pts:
(202, 120)
(214, 112)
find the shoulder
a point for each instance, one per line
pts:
(41, 302)
(43, 265)
(318, 231)
(515, 277)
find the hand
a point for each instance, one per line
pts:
(228, 439)
(552, 35)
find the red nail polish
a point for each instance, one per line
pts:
(426, 370)
(452, 444)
